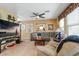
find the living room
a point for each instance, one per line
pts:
(39, 29)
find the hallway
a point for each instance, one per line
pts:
(26, 48)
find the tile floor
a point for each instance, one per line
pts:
(26, 48)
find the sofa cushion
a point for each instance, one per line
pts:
(69, 49)
(53, 44)
(48, 50)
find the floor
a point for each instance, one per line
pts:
(26, 48)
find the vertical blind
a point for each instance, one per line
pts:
(73, 22)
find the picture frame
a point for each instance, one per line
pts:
(50, 26)
(41, 27)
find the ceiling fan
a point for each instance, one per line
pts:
(38, 15)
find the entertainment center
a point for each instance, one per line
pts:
(8, 37)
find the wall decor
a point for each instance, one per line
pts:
(9, 17)
(50, 27)
(41, 27)
(12, 18)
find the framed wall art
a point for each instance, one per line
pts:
(50, 26)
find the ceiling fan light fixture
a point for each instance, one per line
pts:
(37, 17)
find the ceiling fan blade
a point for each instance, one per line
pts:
(42, 14)
(47, 11)
(42, 17)
(35, 14)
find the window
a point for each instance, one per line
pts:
(73, 22)
(73, 30)
(61, 24)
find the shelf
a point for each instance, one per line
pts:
(7, 24)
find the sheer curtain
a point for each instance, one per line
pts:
(73, 22)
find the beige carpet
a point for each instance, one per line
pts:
(26, 48)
